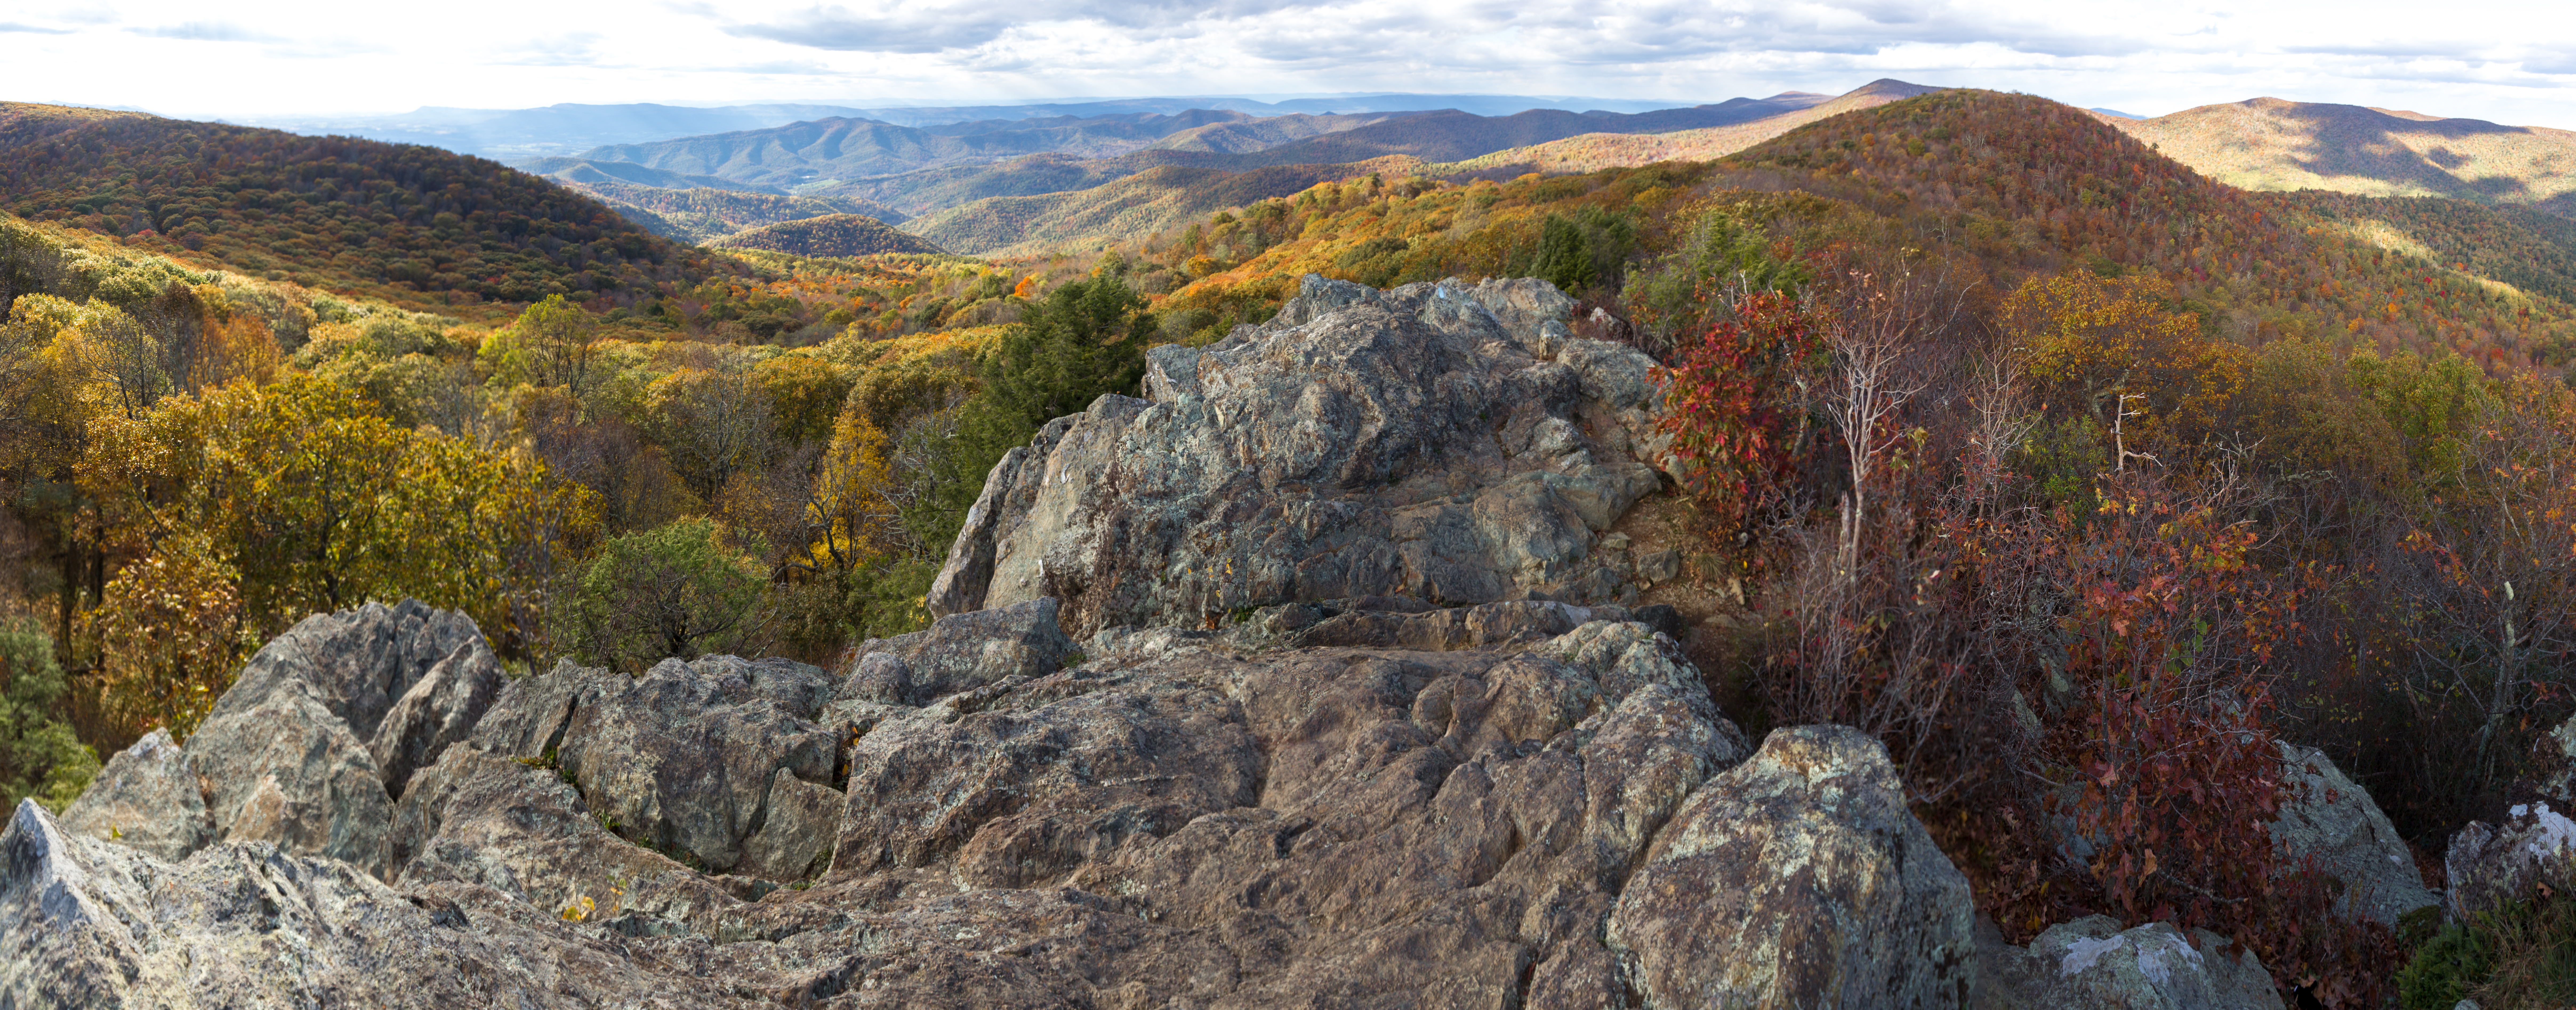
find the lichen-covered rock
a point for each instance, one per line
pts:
(2092, 963)
(288, 772)
(1798, 878)
(682, 756)
(959, 652)
(528, 718)
(357, 661)
(797, 825)
(1057, 775)
(2331, 823)
(2491, 864)
(482, 819)
(84, 923)
(146, 799)
(1418, 442)
(438, 709)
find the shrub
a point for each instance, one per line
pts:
(678, 591)
(39, 756)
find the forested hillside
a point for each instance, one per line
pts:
(705, 215)
(831, 235)
(1124, 209)
(412, 224)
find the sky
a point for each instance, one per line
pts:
(2511, 62)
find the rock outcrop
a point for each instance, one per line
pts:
(1430, 759)
(1449, 442)
(1181, 819)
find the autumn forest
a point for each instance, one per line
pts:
(2081, 480)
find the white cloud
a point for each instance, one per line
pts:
(2488, 59)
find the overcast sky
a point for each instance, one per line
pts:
(2512, 62)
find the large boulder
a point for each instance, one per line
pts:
(1799, 879)
(1444, 441)
(2093, 963)
(145, 798)
(1188, 817)
(2330, 823)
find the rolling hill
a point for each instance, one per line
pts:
(1594, 151)
(832, 235)
(704, 215)
(2273, 144)
(414, 225)
(1124, 209)
(584, 170)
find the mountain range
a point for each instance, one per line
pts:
(568, 128)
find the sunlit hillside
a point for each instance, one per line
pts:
(2271, 144)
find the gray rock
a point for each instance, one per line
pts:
(440, 708)
(290, 773)
(1660, 566)
(146, 799)
(1798, 878)
(1406, 442)
(959, 652)
(2330, 822)
(682, 756)
(358, 661)
(2491, 864)
(87, 924)
(2091, 962)
(1019, 794)
(528, 718)
(489, 821)
(795, 838)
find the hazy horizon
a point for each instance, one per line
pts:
(305, 59)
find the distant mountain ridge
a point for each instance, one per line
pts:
(2276, 144)
(703, 215)
(826, 151)
(1592, 152)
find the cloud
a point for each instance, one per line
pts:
(6, 26)
(206, 31)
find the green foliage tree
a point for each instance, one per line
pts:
(1584, 250)
(677, 591)
(39, 755)
(1087, 339)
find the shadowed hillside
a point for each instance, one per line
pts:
(2272, 144)
(831, 235)
(415, 225)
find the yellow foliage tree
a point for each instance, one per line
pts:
(168, 636)
(2092, 341)
(316, 505)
